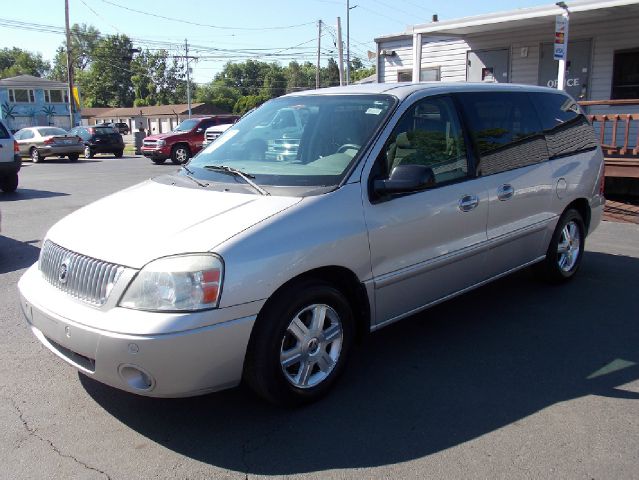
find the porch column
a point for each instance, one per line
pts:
(417, 56)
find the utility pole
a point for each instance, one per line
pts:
(188, 75)
(69, 64)
(348, 42)
(340, 50)
(561, 44)
(319, 46)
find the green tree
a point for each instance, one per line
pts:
(107, 81)
(218, 94)
(84, 39)
(15, 61)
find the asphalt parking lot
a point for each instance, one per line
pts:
(514, 380)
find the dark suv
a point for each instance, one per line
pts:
(121, 127)
(100, 139)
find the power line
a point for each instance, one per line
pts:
(188, 22)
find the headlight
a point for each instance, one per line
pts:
(180, 283)
(161, 143)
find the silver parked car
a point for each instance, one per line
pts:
(41, 142)
(266, 269)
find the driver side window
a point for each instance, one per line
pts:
(429, 134)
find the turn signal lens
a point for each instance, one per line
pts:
(16, 147)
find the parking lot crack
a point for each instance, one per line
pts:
(32, 431)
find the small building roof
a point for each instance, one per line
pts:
(31, 81)
(161, 110)
(91, 112)
(583, 10)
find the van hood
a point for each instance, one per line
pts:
(152, 220)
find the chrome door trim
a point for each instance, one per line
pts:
(522, 232)
(427, 265)
(452, 295)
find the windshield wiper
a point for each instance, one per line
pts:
(234, 171)
(189, 174)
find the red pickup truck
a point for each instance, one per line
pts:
(183, 142)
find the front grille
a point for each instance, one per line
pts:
(150, 143)
(210, 136)
(83, 277)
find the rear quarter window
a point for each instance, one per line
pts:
(566, 128)
(505, 130)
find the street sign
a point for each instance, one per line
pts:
(561, 37)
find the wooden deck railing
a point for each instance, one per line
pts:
(619, 136)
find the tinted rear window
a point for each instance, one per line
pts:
(104, 131)
(566, 127)
(45, 132)
(505, 130)
(4, 134)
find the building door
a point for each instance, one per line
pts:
(577, 68)
(487, 66)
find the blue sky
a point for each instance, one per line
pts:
(286, 28)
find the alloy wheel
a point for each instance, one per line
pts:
(311, 346)
(568, 246)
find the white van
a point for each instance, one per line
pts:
(265, 269)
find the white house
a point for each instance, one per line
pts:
(517, 47)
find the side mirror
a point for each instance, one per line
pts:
(405, 179)
(199, 130)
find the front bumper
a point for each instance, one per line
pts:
(172, 364)
(159, 153)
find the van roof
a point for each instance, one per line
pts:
(404, 89)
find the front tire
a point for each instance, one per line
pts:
(9, 183)
(299, 344)
(118, 154)
(566, 249)
(180, 154)
(74, 157)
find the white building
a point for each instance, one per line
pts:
(517, 47)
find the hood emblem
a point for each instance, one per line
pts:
(63, 272)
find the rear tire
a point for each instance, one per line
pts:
(566, 249)
(180, 154)
(35, 155)
(299, 344)
(88, 152)
(74, 157)
(118, 154)
(9, 183)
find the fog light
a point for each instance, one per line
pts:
(136, 378)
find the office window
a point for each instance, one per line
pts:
(430, 74)
(625, 76)
(21, 95)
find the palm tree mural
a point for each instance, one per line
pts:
(8, 113)
(49, 111)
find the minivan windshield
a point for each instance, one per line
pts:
(296, 141)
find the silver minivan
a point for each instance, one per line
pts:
(265, 269)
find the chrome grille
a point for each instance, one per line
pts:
(210, 136)
(83, 277)
(149, 143)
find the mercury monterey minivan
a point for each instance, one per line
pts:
(266, 269)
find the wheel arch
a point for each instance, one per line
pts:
(583, 207)
(347, 283)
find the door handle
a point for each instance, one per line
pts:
(468, 202)
(505, 192)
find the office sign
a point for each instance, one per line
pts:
(561, 37)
